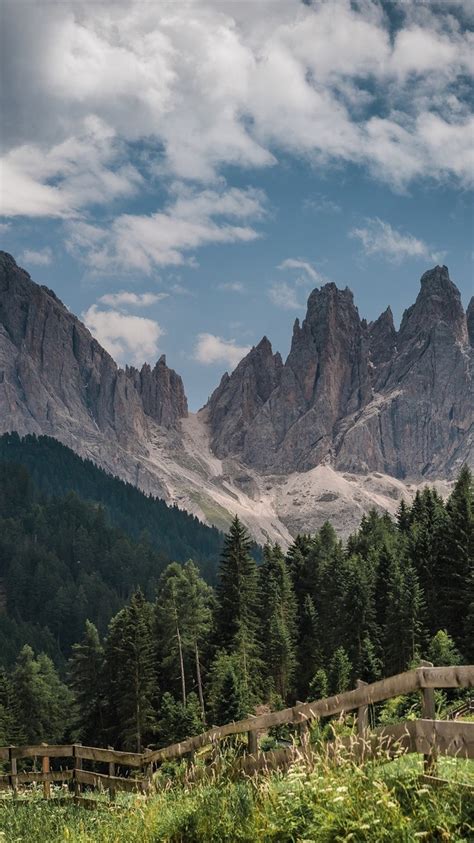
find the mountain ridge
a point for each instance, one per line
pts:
(357, 415)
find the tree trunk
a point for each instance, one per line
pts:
(199, 682)
(181, 661)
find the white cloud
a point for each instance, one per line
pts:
(380, 238)
(130, 299)
(81, 170)
(303, 277)
(212, 349)
(284, 296)
(306, 268)
(212, 85)
(232, 287)
(129, 339)
(142, 242)
(320, 204)
(40, 257)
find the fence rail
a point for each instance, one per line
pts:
(427, 736)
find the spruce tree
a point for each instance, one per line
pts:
(130, 674)
(86, 670)
(236, 615)
(456, 562)
(277, 616)
(340, 671)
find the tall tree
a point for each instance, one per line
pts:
(277, 621)
(86, 670)
(236, 616)
(130, 672)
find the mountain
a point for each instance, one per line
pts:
(362, 397)
(357, 416)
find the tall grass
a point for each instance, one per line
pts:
(315, 800)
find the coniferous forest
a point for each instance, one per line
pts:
(107, 641)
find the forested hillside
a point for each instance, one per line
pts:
(180, 654)
(56, 470)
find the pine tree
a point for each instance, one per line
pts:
(319, 686)
(44, 702)
(236, 616)
(309, 652)
(340, 671)
(456, 563)
(403, 628)
(130, 674)
(86, 669)
(442, 650)
(10, 715)
(230, 706)
(277, 614)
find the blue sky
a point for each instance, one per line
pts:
(182, 175)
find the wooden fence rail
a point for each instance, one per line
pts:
(427, 736)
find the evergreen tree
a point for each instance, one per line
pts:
(86, 668)
(456, 564)
(340, 670)
(130, 673)
(319, 686)
(10, 714)
(277, 616)
(309, 652)
(230, 698)
(44, 702)
(177, 721)
(403, 627)
(442, 650)
(236, 616)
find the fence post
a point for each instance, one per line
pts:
(362, 722)
(111, 773)
(429, 713)
(252, 744)
(13, 772)
(149, 768)
(77, 767)
(45, 768)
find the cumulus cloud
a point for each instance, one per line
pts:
(284, 296)
(129, 339)
(380, 238)
(232, 287)
(321, 204)
(210, 349)
(125, 299)
(40, 257)
(303, 276)
(194, 218)
(307, 269)
(212, 85)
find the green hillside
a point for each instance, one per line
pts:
(56, 470)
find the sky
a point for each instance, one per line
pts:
(182, 174)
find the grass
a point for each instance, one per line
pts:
(322, 801)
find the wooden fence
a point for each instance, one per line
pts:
(427, 736)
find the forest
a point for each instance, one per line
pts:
(116, 645)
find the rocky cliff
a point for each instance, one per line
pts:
(359, 397)
(357, 415)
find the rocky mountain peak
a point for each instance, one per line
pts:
(237, 400)
(162, 392)
(382, 344)
(438, 307)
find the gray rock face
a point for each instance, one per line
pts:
(56, 379)
(351, 399)
(162, 392)
(470, 321)
(363, 398)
